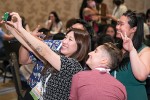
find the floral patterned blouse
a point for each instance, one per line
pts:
(59, 84)
(36, 73)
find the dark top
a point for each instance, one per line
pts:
(135, 89)
(58, 85)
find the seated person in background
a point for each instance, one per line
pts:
(103, 38)
(4, 36)
(111, 30)
(98, 84)
(88, 8)
(108, 35)
(88, 12)
(118, 10)
(54, 24)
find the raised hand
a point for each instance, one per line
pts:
(35, 31)
(8, 26)
(127, 42)
(38, 34)
(15, 22)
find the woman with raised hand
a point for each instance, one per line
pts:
(135, 66)
(60, 66)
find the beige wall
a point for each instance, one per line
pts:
(36, 11)
(137, 5)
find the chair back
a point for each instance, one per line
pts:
(16, 75)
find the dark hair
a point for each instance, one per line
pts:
(143, 16)
(83, 5)
(103, 38)
(70, 22)
(44, 30)
(118, 2)
(23, 22)
(115, 55)
(82, 39)
(56, 16)
(58, 36)
(85, 24)
(112, 26)
(134, 20)
(99, 1)
(147, 13)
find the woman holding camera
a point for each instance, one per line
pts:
(60, 66)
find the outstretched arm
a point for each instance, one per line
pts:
(40, 47)
(19, 37)
(24, 56)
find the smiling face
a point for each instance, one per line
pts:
(110, 31)
(69, 45)
(124, 27)
(96, 57)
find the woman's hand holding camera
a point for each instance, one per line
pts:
(16, 21)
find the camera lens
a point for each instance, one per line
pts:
(6, 17)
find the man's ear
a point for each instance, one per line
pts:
(104, 60)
